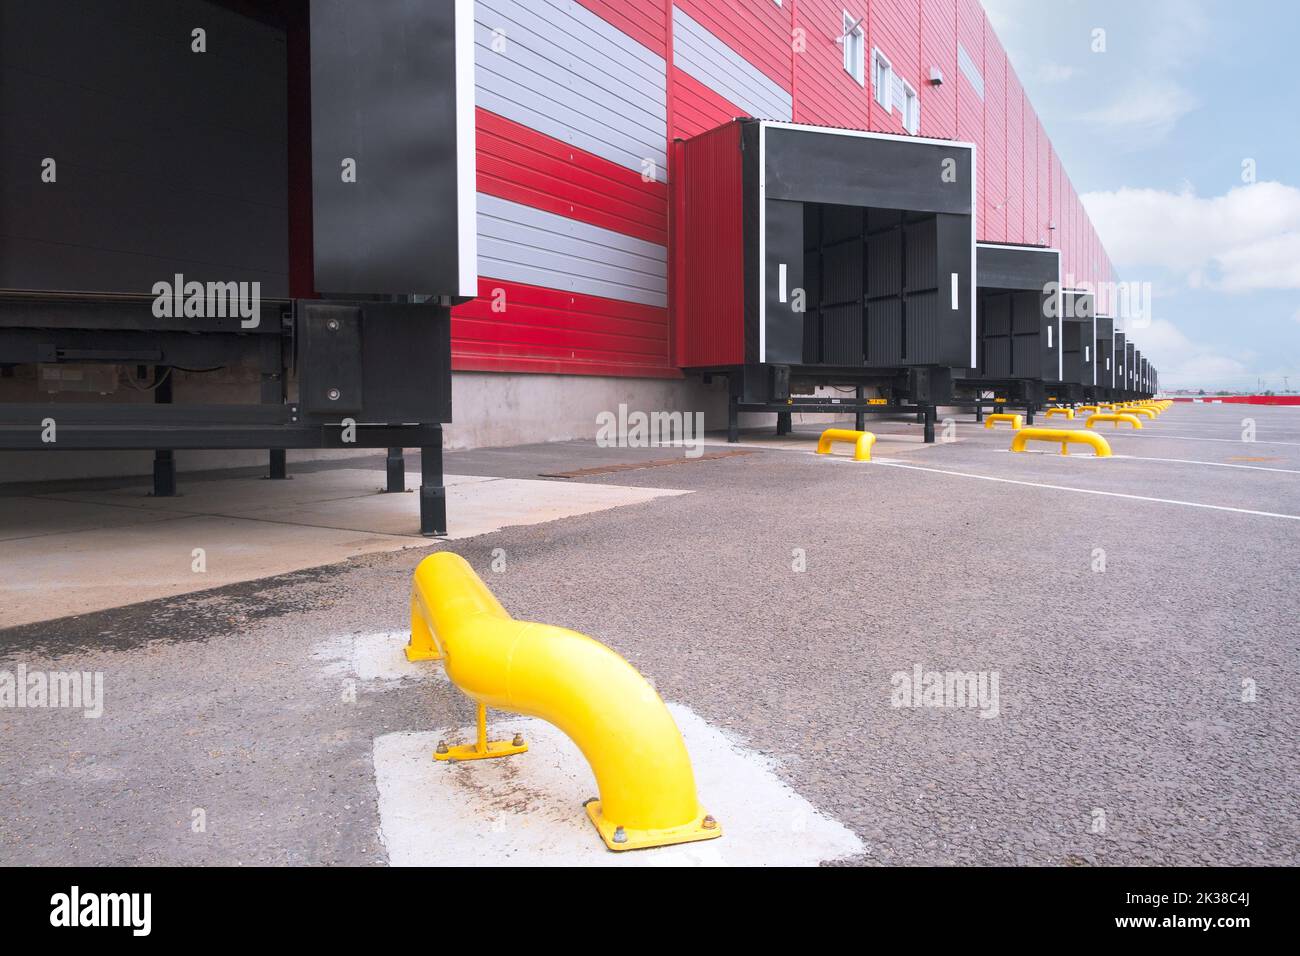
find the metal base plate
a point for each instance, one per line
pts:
(495, 748)
(421, 654)
(645, 839)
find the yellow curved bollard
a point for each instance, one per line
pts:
(1066, 436)
(1116, 417)
(1150, 413)
(862, 442)
(643, 772)
(1017, 422)
(1067, 412)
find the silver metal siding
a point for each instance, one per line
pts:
(701, 55)
(519, 243)
(570, 75)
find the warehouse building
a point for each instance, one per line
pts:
(590, 291)
(578, 103)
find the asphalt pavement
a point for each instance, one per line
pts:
(1139, 615)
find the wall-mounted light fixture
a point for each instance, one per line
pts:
(936, 76)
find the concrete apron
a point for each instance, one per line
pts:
(73, 553)
(527, 810)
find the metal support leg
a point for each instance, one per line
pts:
(979, 413)
(279, 465)
(396, 471)
(433, 496)
(783, 425)
(164, 459)
(733, 420)
(271, 356)
(859, 417)
(482, 748)
(164, 473)
(1029, 414)
(930, 413)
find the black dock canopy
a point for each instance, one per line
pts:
(1019, 313)
(878, 231)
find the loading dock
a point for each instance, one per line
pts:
(1104, 360)
(811, 256)
(171, 212)
(1078, 344)
(1018, 329)
(1121, 366)
(1130, 373)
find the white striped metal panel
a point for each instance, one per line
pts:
(704, 57)
(970, 70)
(565, 72)
(519, 243)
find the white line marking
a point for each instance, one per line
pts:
(1230, 441)
(1212, 464)
(1093, 491)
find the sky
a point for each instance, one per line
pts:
(1182, 136)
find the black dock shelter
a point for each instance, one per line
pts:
(1105, 386)
(279, 190)
(1018, 329)
(859, 261)
(1078, 348)
(1121, 359)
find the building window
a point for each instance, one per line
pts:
(911, 109)
(882, 78)
(854, 39)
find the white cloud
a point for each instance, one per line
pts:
(1183, 363)
(1245, 240)
(1144, 111)
(1055, 72)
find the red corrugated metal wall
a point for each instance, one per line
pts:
(1044, 235)
(825, 95)
(970, 102)
(938, 28)
(712, 267)
(1017, 189)
(789, 50)
(993, 224)
(893, 28)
